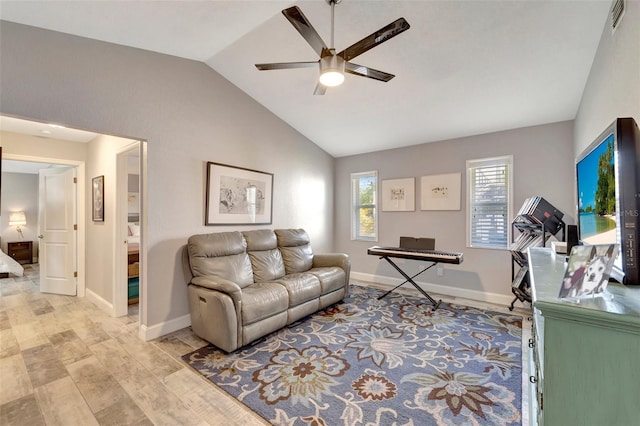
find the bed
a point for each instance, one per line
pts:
(9, 266)
(133, 262)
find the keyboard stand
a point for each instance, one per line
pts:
(410, 280)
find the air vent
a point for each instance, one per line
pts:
(617, 12)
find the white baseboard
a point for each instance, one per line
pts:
(158, 330)
(99, 302)
(446, 290)
(144, 332)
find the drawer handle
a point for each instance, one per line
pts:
(532, 379)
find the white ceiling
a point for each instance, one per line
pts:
(44, 130)
(29, 167)
(463, 68)
(41, 130)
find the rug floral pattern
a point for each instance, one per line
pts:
(379, 362)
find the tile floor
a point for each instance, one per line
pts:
(65, 362)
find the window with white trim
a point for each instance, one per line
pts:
(490, 190)
(364, 209)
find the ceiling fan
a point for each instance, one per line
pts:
(333, 65)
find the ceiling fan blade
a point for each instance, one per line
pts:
(363, 71)
(369, 42)
(320, 89)
(286, 65)
(304, 27)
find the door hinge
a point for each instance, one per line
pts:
(541, 401)
(75, 180)
(75, 226)
(75, 274)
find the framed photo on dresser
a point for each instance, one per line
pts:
(588, 270)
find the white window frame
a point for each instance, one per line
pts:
(355, 207)
(472, 167)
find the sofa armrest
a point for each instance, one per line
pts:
(224, 286)
(340, 260)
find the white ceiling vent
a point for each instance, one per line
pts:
(617, 12)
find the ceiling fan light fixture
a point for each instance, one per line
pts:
(331, 78)
(331, 71)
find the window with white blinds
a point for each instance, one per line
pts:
(489, 185)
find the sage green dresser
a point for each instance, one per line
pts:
(585, 356)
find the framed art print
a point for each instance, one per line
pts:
(97, 198)
(238, 196)
(399, 195)
(440, 192)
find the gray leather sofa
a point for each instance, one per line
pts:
(245, 285)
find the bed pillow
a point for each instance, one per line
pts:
(134, 230)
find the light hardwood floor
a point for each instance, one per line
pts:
(65, 362)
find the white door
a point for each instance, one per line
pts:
(56, 218)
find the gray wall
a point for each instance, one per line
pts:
(542, 157)
(189, 114)
(613, 86)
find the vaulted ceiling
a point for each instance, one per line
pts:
(463, 68)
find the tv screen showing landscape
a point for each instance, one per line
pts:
(597, 206)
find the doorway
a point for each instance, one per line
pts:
(100, 161)
(128, 235)
(30, 167)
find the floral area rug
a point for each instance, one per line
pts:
(379, 362)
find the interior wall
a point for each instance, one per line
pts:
(189, 115)
(27, 145)
(613, 86)
(100, 252)
(20, 193)
(542, 156)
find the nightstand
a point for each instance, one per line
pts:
(21, 251)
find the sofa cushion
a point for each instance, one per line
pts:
(267, 265)
(220, 255)
(296, 250)
(266, 260)
(292, 237)
(260, 239)
(331, 278)
(262, 300)
(301, 287)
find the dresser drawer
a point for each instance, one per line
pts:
(134, 270)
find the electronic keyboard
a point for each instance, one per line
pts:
(416, 254)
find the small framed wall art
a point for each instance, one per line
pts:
(97, 198)
(440, 192)
(399, 195)
(238, 196)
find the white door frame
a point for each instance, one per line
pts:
(80, 199)
(120, 295)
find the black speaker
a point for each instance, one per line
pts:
(572, 237)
